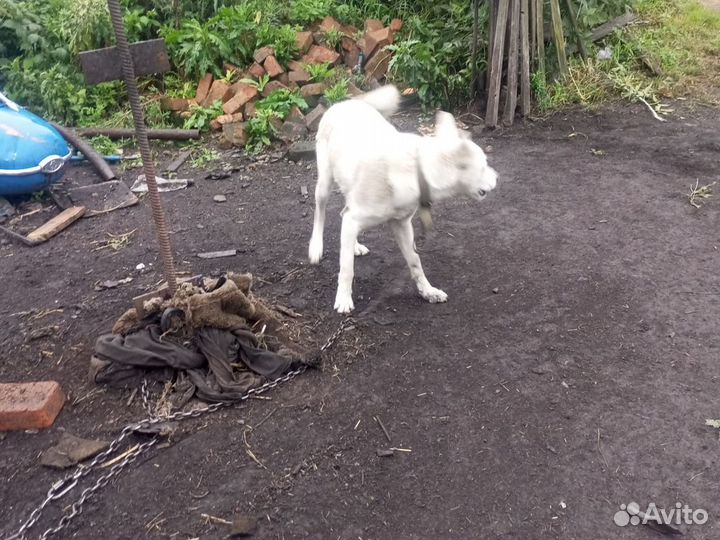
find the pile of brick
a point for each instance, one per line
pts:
(366, 48)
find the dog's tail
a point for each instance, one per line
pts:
(385, 99)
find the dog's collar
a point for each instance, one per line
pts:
(425, 199)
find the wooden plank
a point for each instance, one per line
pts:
(540, 28)
(178, 161)
(578, 35)
(491, 113)
(559, 37)
(102, 65)
(608, 28)
(525, 65)
(63, 220)
(512, 69)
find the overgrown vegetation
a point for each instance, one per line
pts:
(674, 50)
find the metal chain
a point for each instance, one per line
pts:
(64, 486)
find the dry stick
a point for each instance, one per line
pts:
(512, 69)
(576, 30)
(540, 28)
(559, 37)
(385, 431)
(525, 66)
(491, 114)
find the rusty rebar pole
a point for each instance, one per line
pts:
(166, 254)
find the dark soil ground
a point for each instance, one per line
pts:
(582, 384)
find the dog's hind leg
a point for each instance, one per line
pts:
(406, 241)
(348, 240)
(322, 193)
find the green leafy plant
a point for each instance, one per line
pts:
(141, 24)
(281, 101)
(281, 38)
(197, 48)
(200, 117)
(333, 37)
(104, 145)
(309, 11)
(337, 92)
(319, 72)
(261, 130)
(84, 24)
(203, 156)
(260, 84)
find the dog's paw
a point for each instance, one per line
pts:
(360, 250)
(434, 296)
(344, 304)
(315, 251)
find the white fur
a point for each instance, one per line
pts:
(376, 168)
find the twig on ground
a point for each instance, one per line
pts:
(385, 431)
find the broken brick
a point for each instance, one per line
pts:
(243, 94)
(329, 23)
(314, 89)
(203, 87)
(235, 133)
(321, 55)
(351, 57)
(229, 118)
(396, 25)
(271, 87)
(292, 131)
(249, 109)
(218, 92)
(304, 41)
(26, 406)
(301, 77)
(377, 67)
(312, 119)
(174, 104)
(262, 53)
(377, 40)
(371, 25)
(294, 65)
(273, 67)
(256, 70)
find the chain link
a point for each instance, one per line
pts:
(62, 487)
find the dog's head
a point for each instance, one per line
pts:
(464, 163)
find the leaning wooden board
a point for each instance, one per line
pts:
(63, 220)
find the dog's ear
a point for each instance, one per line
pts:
(445, 125)
(462, 152)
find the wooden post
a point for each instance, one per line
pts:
(492, 22)
(512, 69)
(474, 53)
(525, 65)
(540, 28)
(559, 37)
(533, 34)
(576, 30)
(496, 65)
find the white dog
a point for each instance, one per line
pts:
(385, 176)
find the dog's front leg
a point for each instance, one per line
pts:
(406, 241)
(348, 239)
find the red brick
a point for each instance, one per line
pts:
(29, 405)
(312, 119)
(304, 41)
(271, 87)
(354, 90)
(396, 25)
(273, 67)
(227, 66)
(262, 53)
(352, 56)
(229, 118)
(315, 89)
(371, 25)
(249, 109)
(329, 23)
(375, 41)
(347, 43)
(256, 71)
(300, 77)
(283, 78)
(243, 94)
(235, 133)
(291, 130)
(218, 91)
(203, 87)
(174, 104)
(294, 65)
(295, 115)
(321, 55)
(215, 125)
(376, 68)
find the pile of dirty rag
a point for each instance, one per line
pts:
(212, 334)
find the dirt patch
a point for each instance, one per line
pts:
(536, 411)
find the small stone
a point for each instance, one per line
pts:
(312, 119)
(243, 526)
(70, 451)
(302, 150)
(220, 198)
(382, 452)
(496, 290)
